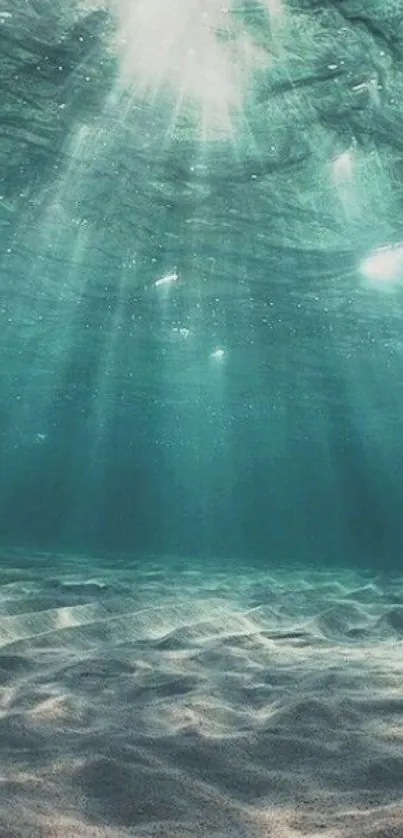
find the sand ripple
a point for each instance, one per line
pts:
(166, 699)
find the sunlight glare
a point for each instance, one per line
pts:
(194, 49)
(384, 265)
(342, 167)
(167, 279)
(218, 354)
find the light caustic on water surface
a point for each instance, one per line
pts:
(203, 56)
(199, 49)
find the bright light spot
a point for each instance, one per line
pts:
(39, 438)
(343, 167)
(218, 354)
(370, 86)
(167, 279)
(384, 265)
(182, 331)
(194, 48)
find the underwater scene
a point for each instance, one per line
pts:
(201, 418)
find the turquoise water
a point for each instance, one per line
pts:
(201, 266)
(200, 344)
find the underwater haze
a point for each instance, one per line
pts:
(201, 263)
(201, 390)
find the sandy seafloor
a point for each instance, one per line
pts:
(162, 698)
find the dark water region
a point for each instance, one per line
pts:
(201, 279)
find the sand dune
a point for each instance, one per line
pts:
(173, 699)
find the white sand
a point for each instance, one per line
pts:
(192, 700)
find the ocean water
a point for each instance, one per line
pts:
(201, 268)
(201, 280)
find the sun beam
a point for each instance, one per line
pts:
(198, 53)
